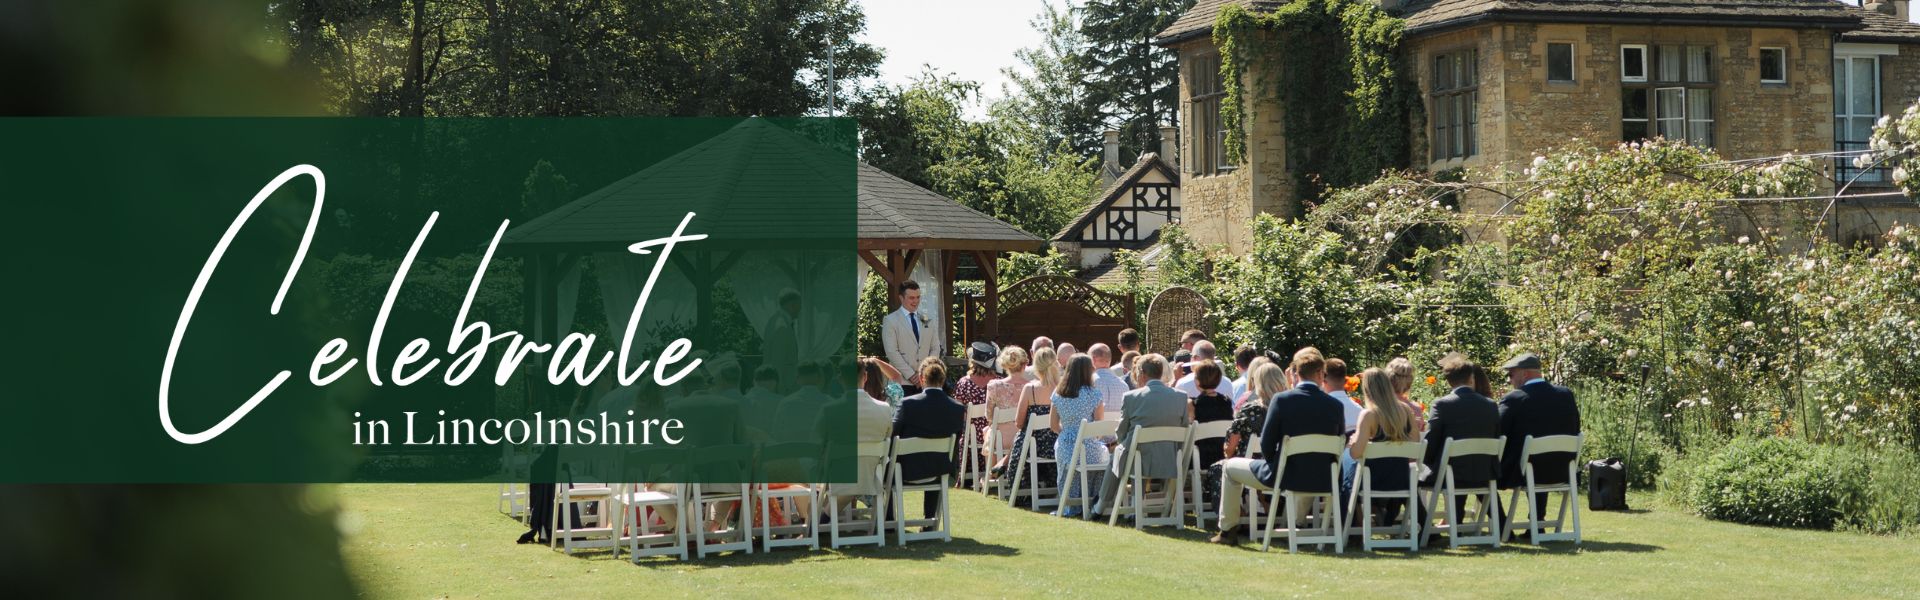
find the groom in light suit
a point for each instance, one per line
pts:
(907, 336)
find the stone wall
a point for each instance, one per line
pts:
(1216, 209)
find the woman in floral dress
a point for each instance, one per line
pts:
(1075, 401)
(1004, 393)
(972, 389)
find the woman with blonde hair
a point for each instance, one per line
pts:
(1400, 373)
(1384, 419)
(1004, 393)
(1036, 400)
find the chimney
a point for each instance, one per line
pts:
(1110, 166)
(1169, 149)
(1392, 6)
(1900, 10)
(1885, 7)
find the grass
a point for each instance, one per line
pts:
(434, 541)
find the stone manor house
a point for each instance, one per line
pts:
(1504, 79)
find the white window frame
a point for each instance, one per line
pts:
(1842, 98)
(1644, 53)
(1573, 62)
(1782, 64)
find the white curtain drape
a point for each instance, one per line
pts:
(824, 317)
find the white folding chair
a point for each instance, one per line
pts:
(1202, 510)
(1132, 489)
(796, 463)
(1029, 469)
(997, 447)
(1569, 492)
(514, 465)
(971, 471)
(1328, 527)
(943, 522)
(727, 463)
(1440, 499)
(661, 466)
(1360, 501)
(1078, 468)
(598, 528)
(1254, 505)
(870, 488)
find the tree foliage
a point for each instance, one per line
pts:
(1134, 84)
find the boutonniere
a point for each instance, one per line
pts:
(924, 321)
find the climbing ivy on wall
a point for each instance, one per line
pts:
(1350, 102)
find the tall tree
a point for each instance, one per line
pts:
(1134, 83)
(1049, 89)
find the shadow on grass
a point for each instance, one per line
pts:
(922, 550)
(1439, 549)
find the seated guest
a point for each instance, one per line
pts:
(1208, 407)
(1034, 350)
(873, 421)
(1075, 402)
(1264, 380)
(1246, 392)
(800, 409)
(1400, 370)
(1187, 339)
(929, 414)
(762, 402)
(1004, 393)
(887, 387)
(972, 389)
(1124, 367)
(1539, 409)
(1065, 353)
(1304, 410)
(1243, 358)
(1110, 385)
(1036, 401)
(1203, 352)
(1337, 387)
(1462, 414)
(1128, 342)
(1151, 404)
(1385, 419)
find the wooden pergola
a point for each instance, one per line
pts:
(900, 221)
(774, 188)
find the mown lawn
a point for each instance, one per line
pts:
(435, 541)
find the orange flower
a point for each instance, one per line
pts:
(1430, 381)
(1353, 383)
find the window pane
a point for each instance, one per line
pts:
(1863, 86)
(1699, 58)
(1861, 129)
(1633, 131)
(1633, 63)
(1473, 123)
(1559, 62)
(1633, 103)
(1773, 64)
(1670, 113)
(1671, 64)
(1470, 67)
(1700, 117)
(1442, 74)
(1459, 124)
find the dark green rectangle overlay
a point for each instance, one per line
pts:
(588, 299)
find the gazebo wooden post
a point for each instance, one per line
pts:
(990, 271)
(949, 269)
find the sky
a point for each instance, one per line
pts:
(972, 39)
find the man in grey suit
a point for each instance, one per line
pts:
(1151, 404)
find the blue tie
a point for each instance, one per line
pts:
(916, 327)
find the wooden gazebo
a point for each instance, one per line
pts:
(759, 181)
(900, 221)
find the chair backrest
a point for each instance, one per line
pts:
(1094, 429)
(1151, 435)
(654, 465)
(976, 411)
(1038, 423)
(1252, 446)
(1210, 429)
(1412, 450)
(785, 460)
(1552, 443)
(1005, 415)
(871, 449)
(905, 446)
(1296, 445)
(1458, 447)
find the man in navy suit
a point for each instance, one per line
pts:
(929, 414)
(1461, 414)
(1304, 410)
(1539, 409)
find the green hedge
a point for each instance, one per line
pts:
(1795, 483)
